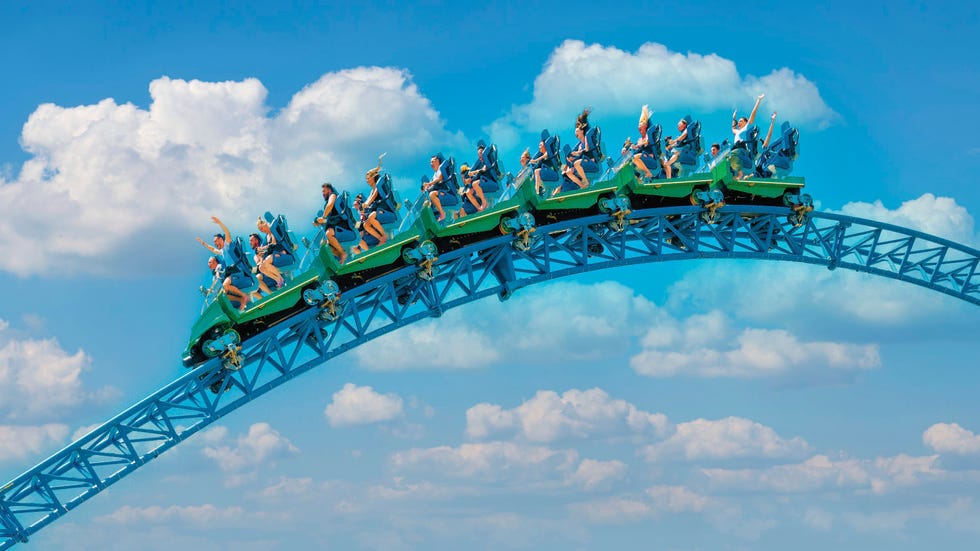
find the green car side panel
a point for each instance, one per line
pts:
(766, 187)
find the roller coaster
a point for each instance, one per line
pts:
(537, 229)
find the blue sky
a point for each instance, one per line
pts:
(126, 127)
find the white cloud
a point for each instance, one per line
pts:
(41, 380)
(288, 487)
(23, 441)
(578, 74)
(574, 414)
(615, 510)
(551, 323)
(262, 443)
(103, 178)
(687, 349)
(592, 474)
(490, 461)
(200, 516)
(840, 294)
(82, 431)
(820, 472)
(361, 405)
(727, 438)
(939, 216)
(951, 438)
(678, 499)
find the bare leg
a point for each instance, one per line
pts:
(434, 197)
(669, 166)
(570, 172)
(479, 194)
(269, 269)
(376, 229)
(581, 172)
(538, 186)
(638, 163)
(335, 247)
(235, 294)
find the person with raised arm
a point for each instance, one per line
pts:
(739, 125)
(221, 241)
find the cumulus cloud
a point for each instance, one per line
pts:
(820, 473)
(551, 323)
(548, 417)
(840, 294)
(41, 380)
(939, 216)
(361, 405)
(621, 81)
(200, 516)
(688, 347)
(616, 510)
(262, 443)
(287, 487)
(592, 473)
(508, 463)
(102, 179)
(23, 441)
(490, 461)
(678, 499)
(727, 438)
(951, 438)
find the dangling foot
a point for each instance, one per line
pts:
(441, 217)
(356, 249)
(384, 239)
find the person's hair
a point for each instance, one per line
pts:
(221, 235)
(644, 116)
(582, 121)
(256, 236)
(716, 145)
(214, 258)
(373, 174)
(328, 185)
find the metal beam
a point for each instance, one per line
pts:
(172, 414)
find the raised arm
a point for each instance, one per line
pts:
(224, 228)
(758, 100)
(772, 122)
(208, 247)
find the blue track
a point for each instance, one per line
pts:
(170, 415)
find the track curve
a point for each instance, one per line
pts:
(172, 414)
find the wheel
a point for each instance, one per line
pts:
(595, 249)
(603, 203)
(407, 255)
(790, 199)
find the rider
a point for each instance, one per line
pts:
(740, 125)
(436, 187)
(584, 152)
(647, 147)
(481, 173)
(334, 223)
(543, 165)
(374, 206)
(234, 279)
